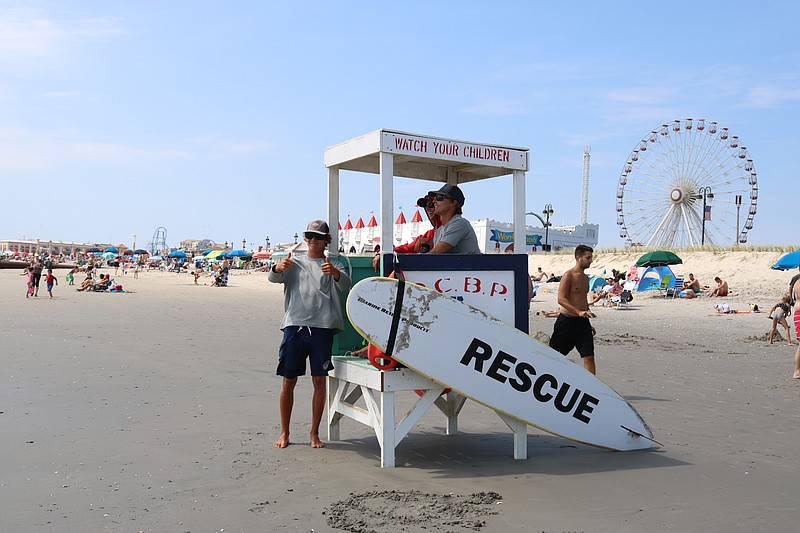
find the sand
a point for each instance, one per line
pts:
(156, 410)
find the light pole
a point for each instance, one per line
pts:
(704, 194)
(540, 220)
(548, 210)
(295, 238)
(267, 248)
(738, 207)
(244, 243)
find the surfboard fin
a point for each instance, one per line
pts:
(640, 435)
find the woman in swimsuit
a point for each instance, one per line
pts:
(778, 314)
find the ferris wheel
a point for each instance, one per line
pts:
(687, 183)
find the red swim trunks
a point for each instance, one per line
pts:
(797, 325)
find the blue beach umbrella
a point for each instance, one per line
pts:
(109, 255)
(176, 253)
(238, 253)
(112, 250)
(206, 252)
(788, 261)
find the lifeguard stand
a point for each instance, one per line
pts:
(502, 280)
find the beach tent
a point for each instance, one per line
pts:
(596, 282)
(652, 276)
(788, 262)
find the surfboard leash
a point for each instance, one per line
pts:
(398, 306)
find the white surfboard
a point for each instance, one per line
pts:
(495, 364)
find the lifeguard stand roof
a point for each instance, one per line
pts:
(426, 157)
(390, 153)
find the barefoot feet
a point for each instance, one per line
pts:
(283, 441)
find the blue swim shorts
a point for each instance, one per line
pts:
(300, 343)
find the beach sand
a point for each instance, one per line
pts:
(156, 410)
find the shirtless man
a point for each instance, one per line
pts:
(721, 289)
(572, 328)
(691, 288)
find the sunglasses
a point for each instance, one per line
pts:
(441, 197)
(314, 237)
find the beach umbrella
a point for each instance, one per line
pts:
(109, 255)
(93, 250)
(112, 250)
(658, 258)
(214, 254)
(279, 255)
(127, 252)
(206, 252)
(788, 261)
(262, 255)
(140, 251)
(176, 253)
(238, 253)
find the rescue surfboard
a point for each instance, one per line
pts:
(490, 362)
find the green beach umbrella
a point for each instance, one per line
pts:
(658, 258)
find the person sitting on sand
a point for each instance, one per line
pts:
(103, 284)
(778, 314)
(691, 288)
(539, 276)
(721, 289)
(87, 283)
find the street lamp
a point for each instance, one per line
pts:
(295, 238)
(704, 194)
(738, 206)
(548, 210)
(226, 245)
(267, 248)
(244, 244)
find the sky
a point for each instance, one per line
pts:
(211, 118)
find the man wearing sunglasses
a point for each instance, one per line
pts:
(456, 235)
(313, 315)
(423, 243)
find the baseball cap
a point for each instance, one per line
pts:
(320, 227)
(423, 202)
(448, 189)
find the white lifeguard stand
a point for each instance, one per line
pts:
(391, 153)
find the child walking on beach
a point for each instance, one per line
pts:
(71, 276)
(50, 279)
(778, 314)
(28, 273)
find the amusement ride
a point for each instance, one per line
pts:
(687, 183)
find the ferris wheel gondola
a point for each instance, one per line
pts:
(686, 183)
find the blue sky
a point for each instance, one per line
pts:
(211, 118)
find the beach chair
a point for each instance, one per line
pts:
(662, 289)
(624, 299)
(676, 289)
